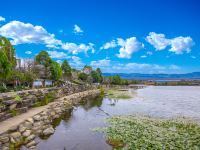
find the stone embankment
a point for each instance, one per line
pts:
(40, 124)
(15, 103)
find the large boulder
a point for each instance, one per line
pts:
(4, 138)
(27, 133)
(37, 117)
(48, 131)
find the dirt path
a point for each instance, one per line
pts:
(7, 124)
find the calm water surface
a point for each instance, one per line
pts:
(74, 131)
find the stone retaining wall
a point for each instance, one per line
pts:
(40, 124)
(14, 103)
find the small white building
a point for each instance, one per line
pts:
(42, 82)
(37, 83)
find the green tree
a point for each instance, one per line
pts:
(116, 80)
(82, 76)
(9, 50)
(99, 73)
(5, 67)
(44, 59)
(66, 69)
(29, 77)
(95, 76)
(17, 77)
(7, 59)
(56, 71)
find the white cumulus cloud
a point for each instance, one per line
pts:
(26, 33)
(108, 45)
(149, 53)
(181, 44)
(100, 63)
(143, 56)
(2, 19)
(117, 67)
(157, 40)
(58, 55)
(75, 49)
(22, 33)
(178, 44)
(28, 52)
(128, 47)
(76, 62)
(77, 29)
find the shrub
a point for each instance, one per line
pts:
(18, 98)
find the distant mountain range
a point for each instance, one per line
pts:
(139, 76)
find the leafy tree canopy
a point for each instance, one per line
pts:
(56, 71)
(43, 58)
(9, 50)
(82, 76)
(66, 68)
(5, 66)
(95, 76)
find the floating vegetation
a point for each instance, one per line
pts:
(138, 132)
(119, 94)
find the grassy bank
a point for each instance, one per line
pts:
(119, 94)
(133, 132)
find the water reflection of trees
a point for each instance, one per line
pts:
(65, 117)
(92, 102)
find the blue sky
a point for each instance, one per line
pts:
(131, 36)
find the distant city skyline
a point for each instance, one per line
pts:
(123, 36)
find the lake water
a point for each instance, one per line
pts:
(74, 130)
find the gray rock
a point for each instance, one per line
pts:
(32, 97)
(30, 120)
(37, 117)
(15, 135)
(38, 132)
(38, 124)
(4, 138)
(13, 128)
(30, 144)
(32, 147)
(9, 102)
(5, 148)
(22, 128)
(48, 131)
(12, 140)
(52, 113)
(45, 117)
(28, 125)
(56, 116)
(31, 137)
(27, 133)
(13, 106)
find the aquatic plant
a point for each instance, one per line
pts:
(133, 132)
(118, 94)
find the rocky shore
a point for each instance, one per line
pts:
(15, 103)
(40, 124)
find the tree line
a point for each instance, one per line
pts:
(42, 67)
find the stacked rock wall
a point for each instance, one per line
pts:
(15, 103)
(40, 124)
